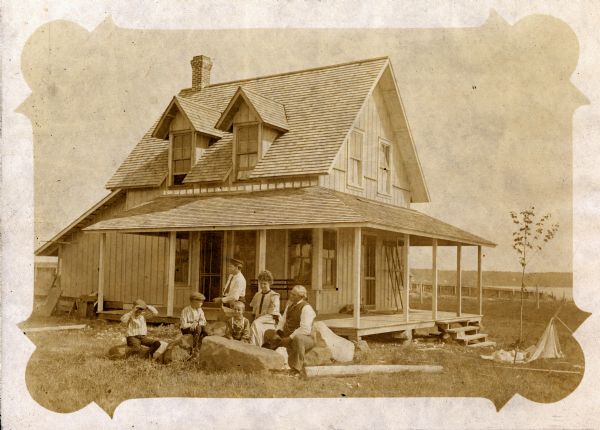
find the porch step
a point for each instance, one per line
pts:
(486, 344)
(462, 329)
(472, 337)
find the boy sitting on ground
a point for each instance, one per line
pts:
(193, 321)
(137, 332)
(238, 327)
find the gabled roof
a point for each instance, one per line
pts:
(51, 247)
(308, 207)
(320, 107)
(268, 111)
(145, 166)
(202, 118)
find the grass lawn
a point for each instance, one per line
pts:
(69, 369)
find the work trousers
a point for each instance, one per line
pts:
(197, 334)
(135, 344)
(300, 345)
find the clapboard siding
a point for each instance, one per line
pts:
(139, 196)
(332, 300)
(135, 265)
(374, 121)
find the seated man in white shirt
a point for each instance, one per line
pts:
(295, 327)
(235, 288)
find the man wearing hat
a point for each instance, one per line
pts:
(193, 321)
(137, 331)
(235, 288)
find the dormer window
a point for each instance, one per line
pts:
(246, 151)
(181, 161)
(256, 122)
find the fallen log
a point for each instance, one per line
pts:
(538, 370)
(364, 369)
(55, 328)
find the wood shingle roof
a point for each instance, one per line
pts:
(270, 112)
(307, 207)
(145, 166)
(320, 106)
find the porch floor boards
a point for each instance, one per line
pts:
(388, 323)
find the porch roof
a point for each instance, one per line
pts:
(291, 208)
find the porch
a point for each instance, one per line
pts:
(344, 325)
(344, 249)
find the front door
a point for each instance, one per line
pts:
(368, 271)
(211, 251)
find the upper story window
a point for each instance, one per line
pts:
(385, 170)
(246, 154)
(355, 158)
(181, 157)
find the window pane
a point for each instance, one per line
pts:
(187, 151)
(243, 162)
(253, 144)
(242, 146)
(177, 154)
(186, 165)
(252, 160)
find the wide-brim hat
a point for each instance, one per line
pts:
(236, 262)
(140, 304)
(198, 297)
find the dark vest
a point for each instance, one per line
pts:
(292, 317)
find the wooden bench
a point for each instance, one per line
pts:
(281, 286)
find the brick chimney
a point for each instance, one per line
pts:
(201, 66)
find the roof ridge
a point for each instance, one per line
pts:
(195, 103)
(293, 72)
(246, 90)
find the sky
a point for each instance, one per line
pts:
(490, 109)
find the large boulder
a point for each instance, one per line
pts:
(219, 353)
(318, 356)
(342, 350)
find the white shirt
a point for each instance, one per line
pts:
(189, 316)
(136, 326)
(307, 316)
(270, 305)
(235, 288)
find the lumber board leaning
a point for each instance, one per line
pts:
(55, 328)
(364, 369)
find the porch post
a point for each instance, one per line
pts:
(262, 249)
(434, 280)
(479, 280)
(458, 281)
(101, 272)
(171, 274)
(357, 275)
(406, 276)
(317, 265)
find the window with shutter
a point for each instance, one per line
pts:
(355, 158)
(385, 171)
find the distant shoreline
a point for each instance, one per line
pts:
(498, 278)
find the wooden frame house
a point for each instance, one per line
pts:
(309, 174)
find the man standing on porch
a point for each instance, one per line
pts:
(295, 327)
(235, 288)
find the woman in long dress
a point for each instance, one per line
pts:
(266, 308)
